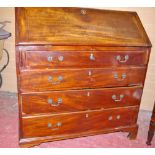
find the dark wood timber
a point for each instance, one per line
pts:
(151, 128)
(80, 72)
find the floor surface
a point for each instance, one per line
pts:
(9, 131)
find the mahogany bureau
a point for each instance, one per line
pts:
(80, 72)
(151, 128)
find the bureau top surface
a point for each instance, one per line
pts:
(79, 26)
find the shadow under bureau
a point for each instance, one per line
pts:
(80, 72)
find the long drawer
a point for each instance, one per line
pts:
(80, 122)
(77, 100)
(61, 79)
(84, 59)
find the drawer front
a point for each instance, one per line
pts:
(76, 100)
(64, 59)
(47, 80)
(83, 122)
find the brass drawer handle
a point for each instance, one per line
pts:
(118, 58)
(121, 96)
(91, 57)
(111, 118)
(50, 78)
(60, 78)
(49, 58)
(60, 58)
(123, 76)
(50, 101)
(59, 124)
(49, 125)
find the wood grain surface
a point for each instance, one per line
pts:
(79, 26)
(78, 100)
(38, 80)
(38, 126)
(83, 59)
(80, 72)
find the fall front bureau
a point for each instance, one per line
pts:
(80, 72)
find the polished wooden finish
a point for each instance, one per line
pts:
(80, 72)
(29, 142)
(68, 59)
(40, 80)
(77, 100)
(61, 124)
(50, 47)
(151, 127)
(77, 26)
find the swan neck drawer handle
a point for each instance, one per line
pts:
(60, 78)
(57, 125)
(121, 96)
(123, 76)
(126, 58)
(50, 101)
(49, 125)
